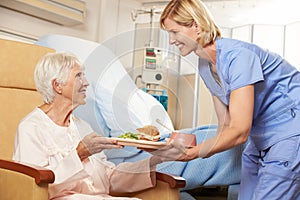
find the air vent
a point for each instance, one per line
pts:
(64, 12)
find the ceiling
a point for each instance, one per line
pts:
(166, 1)
(233, 13)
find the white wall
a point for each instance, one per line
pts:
(22, 23)
(270, 37)
(292, 44)
(104, 19)
(243, 33)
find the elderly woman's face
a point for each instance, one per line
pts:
(184, 37)
(75, 87)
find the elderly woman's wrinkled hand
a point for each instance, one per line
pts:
(94, 143)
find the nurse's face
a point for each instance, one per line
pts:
(184, 37)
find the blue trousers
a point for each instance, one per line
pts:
(273, 173)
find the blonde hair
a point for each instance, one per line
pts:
(53, 66)
(186, 12)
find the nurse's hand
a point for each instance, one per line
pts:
(171, 152)
(94, 143)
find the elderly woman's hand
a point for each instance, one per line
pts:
(94, 143)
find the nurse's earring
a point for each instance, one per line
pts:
(196, 27)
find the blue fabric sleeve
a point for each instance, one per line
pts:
(244, 68)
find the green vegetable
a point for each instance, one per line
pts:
(129, 135)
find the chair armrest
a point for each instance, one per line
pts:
(40, 174)
(167, 187)
(172, 180)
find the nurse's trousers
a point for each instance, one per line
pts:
(273, 173)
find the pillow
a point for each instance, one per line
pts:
(81, 48)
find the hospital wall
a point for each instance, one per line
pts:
(104, 19)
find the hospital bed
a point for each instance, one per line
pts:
(115, 105)
(18, 97)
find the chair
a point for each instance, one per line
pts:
(17, 98)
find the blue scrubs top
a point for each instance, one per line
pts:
(276, 84)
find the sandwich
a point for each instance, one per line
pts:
(148, 132)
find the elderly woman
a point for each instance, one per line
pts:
(50, 136)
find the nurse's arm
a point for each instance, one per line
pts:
(222, 114)
(240, 122)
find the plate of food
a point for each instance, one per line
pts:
(147, 137)
(142, 144)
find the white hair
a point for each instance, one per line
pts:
(53, 66)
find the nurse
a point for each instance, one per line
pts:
(256, 95)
